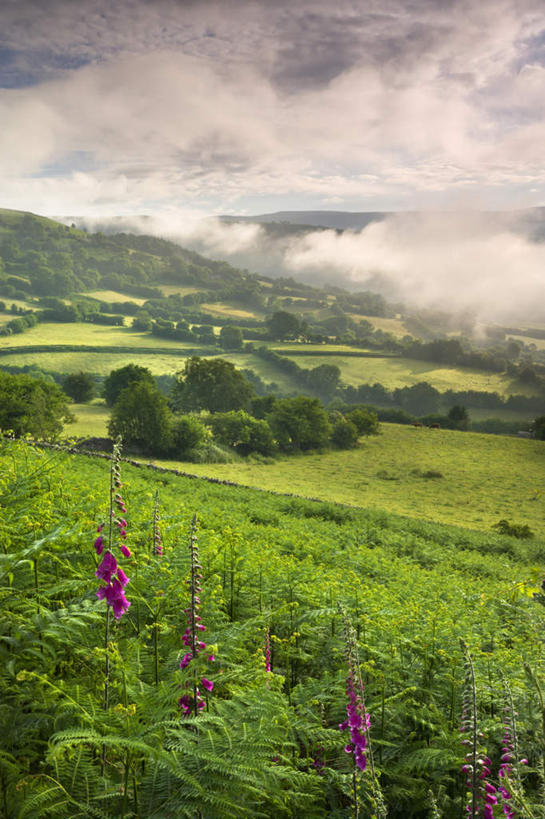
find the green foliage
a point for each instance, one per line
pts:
(142, 418)
(458, 418)
(119, 379)
(231, 337)
(520, 530)
(365, 421)
(80, 387)
(344, 433)
(284, 325)
(539, 428)
(32, 406)
(188, 433)
(267, 743)
(211, 384)
(242, 432)
(299, 424)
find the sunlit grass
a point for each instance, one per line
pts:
(485, 477)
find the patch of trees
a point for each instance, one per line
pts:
(234, 416)
(32, 406)
(323, 379)
(80, 387)
(211, 384)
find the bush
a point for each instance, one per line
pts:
(365, 421)
(242, 432)
(188, 433)
(344, 434)
(520, 530)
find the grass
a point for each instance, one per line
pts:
(113, 296)
(90, 335)
(485, 477)
(232, 311)
(404, 372)
(389, 325)
(91, 420)
(96, 362)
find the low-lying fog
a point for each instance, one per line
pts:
(490, 264)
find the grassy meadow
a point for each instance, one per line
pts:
(404, 372)
(484, 477)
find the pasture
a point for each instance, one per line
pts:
(113, 296)
(484, 477)
(404, 372)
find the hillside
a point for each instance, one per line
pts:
(72, 300)
(274, 572)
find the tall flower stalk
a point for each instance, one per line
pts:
(109, 570)
(192, 702)
(358, 723)
(510, 787)
(156, 539)
(481, 794)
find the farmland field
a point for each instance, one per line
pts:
(484, 477)
(113, 296)
(89, 335)
(404, 372)
(232, 311)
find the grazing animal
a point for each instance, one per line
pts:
(435, 426)
(418, 424)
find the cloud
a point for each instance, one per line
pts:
(219, 105)
(483, 263)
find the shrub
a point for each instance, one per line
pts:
(188, 433)
(344, 434)
(520, 530)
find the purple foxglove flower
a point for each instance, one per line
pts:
(99, 545)
(125, 550)
(107, 568)
(208, 684)
(122, 577)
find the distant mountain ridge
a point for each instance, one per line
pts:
(528, 220)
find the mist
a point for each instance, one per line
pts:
(484, 263)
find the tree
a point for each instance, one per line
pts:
(324, 380)
(231, 337)
(344, 434)
(458, 417)
(32, 406)
(539, 428)
(242, 432)
(365, 421)
(80, 387)
(300, 424)
(143, 419)
(420, 399)
(212, 384)
(188, 432)
(142, 322)
(284, 325)
(119, 379)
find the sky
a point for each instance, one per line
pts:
(185, 109)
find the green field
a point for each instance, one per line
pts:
(89, 335)
(404, 372)
(485, 477)
(232, 311)
(113, 296)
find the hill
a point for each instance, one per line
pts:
(97, 726)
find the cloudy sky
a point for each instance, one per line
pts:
(247, 106)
